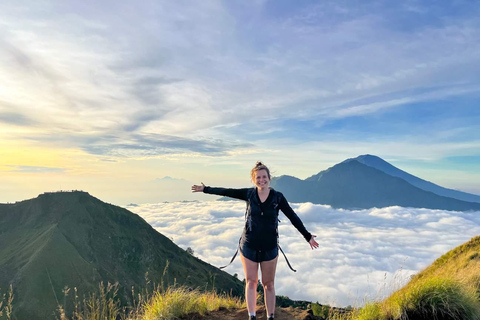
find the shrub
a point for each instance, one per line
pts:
(177, 302)
(320, 310)
(438, 298)
(371, 311)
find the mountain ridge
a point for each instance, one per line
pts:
(73, 239)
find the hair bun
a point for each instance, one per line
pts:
(259, 166)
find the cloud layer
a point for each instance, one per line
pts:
(363, 254)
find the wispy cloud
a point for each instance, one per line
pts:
(362, 253)
(196, 69)
(33, 169)
(15, 119)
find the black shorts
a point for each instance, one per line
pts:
(258, 255)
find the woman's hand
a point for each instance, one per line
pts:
(313, 244)
(196, 188)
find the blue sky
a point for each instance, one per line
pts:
(114, 93)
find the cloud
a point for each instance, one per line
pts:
(126, 145)
(157, 144)
(33, 169)
(16, 119)
(199, 69)
(147, 88)
(363, 253)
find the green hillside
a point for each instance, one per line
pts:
(461, 263)
(449, 289)
(73, 239)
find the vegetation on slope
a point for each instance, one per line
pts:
(73, 239)
(447, 290)
(161, 304)
(6, 304)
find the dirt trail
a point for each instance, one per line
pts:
(242, 314)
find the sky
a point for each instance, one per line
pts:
(135, 101)
(364, 255)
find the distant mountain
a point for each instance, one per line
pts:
(352, 184)
(380, 164)
(170, 179)
(73, 239)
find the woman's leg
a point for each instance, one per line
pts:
(268, 281)
(251, 278)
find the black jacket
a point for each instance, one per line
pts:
(261, 223)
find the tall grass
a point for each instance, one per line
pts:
(177, 302)
(103, 305)
(153, 302)
(432, 299)
(6, 304)
(161, 304)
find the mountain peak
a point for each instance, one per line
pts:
(367, 158)
(369, 181)
(382, 165)
(63, 196)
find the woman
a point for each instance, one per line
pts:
(259, 241)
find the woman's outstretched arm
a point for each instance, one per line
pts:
(297, 223)
(228, 192)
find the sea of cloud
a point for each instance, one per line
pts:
(363, 254)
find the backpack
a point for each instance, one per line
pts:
(248, 223)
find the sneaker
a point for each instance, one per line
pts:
(252, 318)
(271, 317)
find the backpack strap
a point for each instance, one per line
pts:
(234, 256)
(278, 198)
(286, 259)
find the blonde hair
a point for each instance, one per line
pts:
(259, 166)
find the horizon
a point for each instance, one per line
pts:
(169, 184)
(113, 98)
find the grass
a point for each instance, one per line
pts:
(449, 289)
(6, 301)
(171, 303)
(434, 298)
(176, 302)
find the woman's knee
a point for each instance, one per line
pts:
(252, 283)
(269, 285)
